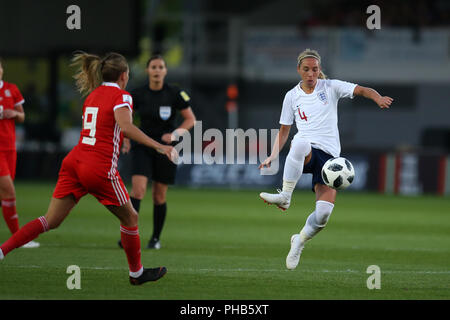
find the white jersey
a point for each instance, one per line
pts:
(316, 113)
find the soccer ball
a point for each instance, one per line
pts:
(338, 173)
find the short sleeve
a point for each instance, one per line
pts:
(123, 100)
(17, 96)
(343, 89)
(287, 115)
(183, 100)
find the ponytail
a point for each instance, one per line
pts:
(88, 76)
(93, 70)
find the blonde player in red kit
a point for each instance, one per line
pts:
(11, 111)
(91, 166)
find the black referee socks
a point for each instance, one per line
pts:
(159, 215)
(136, 203)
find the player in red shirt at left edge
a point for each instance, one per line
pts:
(91, 166)
(11, 111)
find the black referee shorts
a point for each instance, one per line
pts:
(152, 164)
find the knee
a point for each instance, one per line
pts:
(7, 192)
(133, 218)
(323, 212)
(158, 197)
(130, 219)
(300, 148)
(139, 191)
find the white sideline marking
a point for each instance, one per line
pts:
(251, 270)
(108, 246)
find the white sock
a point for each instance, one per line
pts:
(289, 186)
(317, 220)
(293, 167)
(304, 237)
(138, 273)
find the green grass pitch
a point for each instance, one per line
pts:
(222, 244)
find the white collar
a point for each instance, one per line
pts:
(110, 84)
(1, 84)
(299, 87)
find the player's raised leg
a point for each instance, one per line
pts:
(316, 221)
(56, 213)
(8, 194)
(130, 240)
(298, 156)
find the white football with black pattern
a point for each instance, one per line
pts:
(338, 173)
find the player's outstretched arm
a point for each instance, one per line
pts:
(123, 118)
(369, 93)
(280, 141)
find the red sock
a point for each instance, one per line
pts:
(25, 234)
(131, 243)
(10, 214)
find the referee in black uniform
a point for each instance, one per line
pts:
(156, 104)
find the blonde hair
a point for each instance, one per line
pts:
(93, 70)
(309, 53)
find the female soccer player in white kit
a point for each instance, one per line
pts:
(312, 104)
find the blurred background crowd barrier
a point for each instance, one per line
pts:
(250, 47)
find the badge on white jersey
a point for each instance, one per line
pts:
(165, 112)
(322, 97)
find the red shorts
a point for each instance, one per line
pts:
(8, 163)
(79, 178)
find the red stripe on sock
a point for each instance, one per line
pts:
(28, 232)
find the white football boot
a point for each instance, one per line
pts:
(281, 199)
(1, 254)
(31, 244)
(293, 256)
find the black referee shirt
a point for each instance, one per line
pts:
(157, 109)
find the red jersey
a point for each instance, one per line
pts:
(101, 137)
(10, 97)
